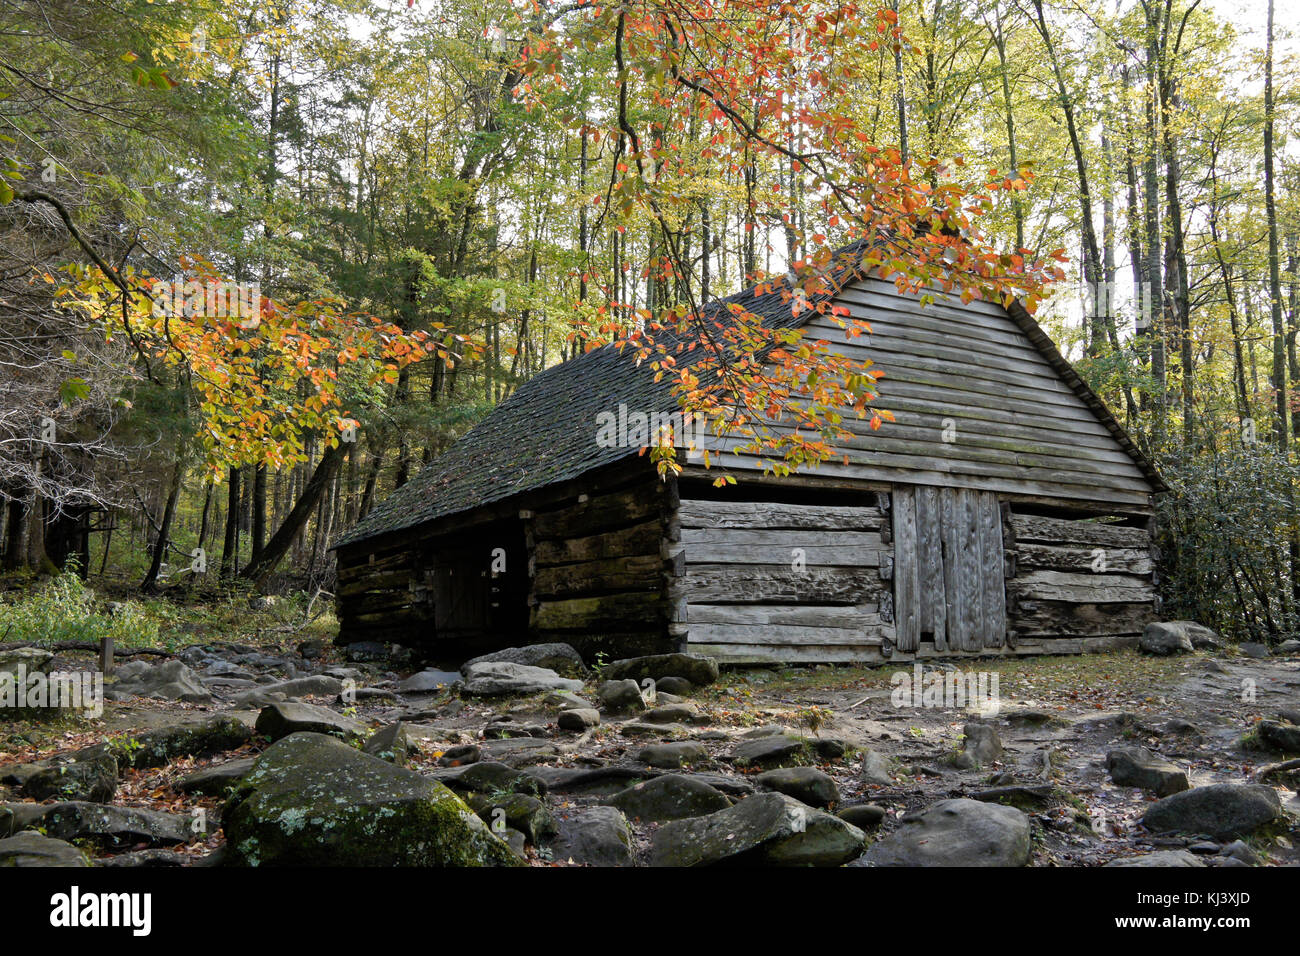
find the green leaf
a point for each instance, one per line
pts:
(73, 390)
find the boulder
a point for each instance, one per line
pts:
(875, 770)
(390, 743)
(579, 719)
(696, 668)
(806, 784)
(29, 659)
(497, 678)
(1287, 648)
(1253, 649)
(311, 800)
(280, 719)
(492, 777)
(955, 833)
(864, 816)
(217, 780)
(170, 680)
(620, 696)
(768, 752)
(767, 828)
(1139, 767)
(1160, 858)
(672, 756)
(518, 811)
(677, 686)
(1163, 638)
(593, 836)
(670, 797)
(33, 849)
(1278, 737)
(1222, 810)
(88, 775)
(190, 738)
(980, 745)
(316, 685)
(428, 681)
(561, 658)
(111, 826)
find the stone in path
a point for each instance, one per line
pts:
(1222, 810)
(956, 833)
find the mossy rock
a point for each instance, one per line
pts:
(312, 800)
(203, 738)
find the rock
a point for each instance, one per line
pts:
(566, 700)
(496, 778)
(696, 668)
(1163, 638)
(864, 816)
(1243, 852)
(428, 681)
(1222, 810)
(956, 833)
(1159, 858)
(1139, 767)
(33, 849)
(767, 828)
(317, 685)
(678, 686)
(519, 811)
(768, 752)
(145, 858)
(579, 719)
(875, 770)
(561, 658)
(620, 696)
(593, 836)
(829, 748)
(497, 678)
(1281, 738)
(170, 680)
(281, 719)
(311, 800)
(1287, 648)
(29, 659)
(216, 781)
(1253, 649)
(390, 743)
(86, 775)
(671, 714)
(191, 738)
(366, 652)
(111, 826)
(672, 756)
(519, 751)
(670, 797)
(980, 745)
(458, 756)
(806, 784)
(635, 728)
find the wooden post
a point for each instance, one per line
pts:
(106, 655)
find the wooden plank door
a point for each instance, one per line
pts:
(949, 588)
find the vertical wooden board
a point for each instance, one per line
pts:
(994, 602)
(970, 595)
(950, 527)
(934, 607)
(907, 594)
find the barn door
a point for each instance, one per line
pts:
(948, 569)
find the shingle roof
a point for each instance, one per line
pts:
(546, 431)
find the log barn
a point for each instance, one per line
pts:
(1003, 511)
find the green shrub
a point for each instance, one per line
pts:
(64, 609)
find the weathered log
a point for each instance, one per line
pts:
(780, 584)
(774, 515)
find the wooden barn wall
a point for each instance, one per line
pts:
(1077, 585)
(599, 571)
(375, 595)
(770, 581)
(976, 405)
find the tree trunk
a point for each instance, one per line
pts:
(276, 548)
